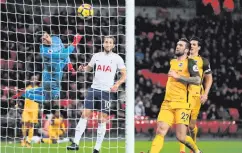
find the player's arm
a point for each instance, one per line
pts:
(208, 80)
(122, 79)
(63, 128)
(64, 53)
(194, 74)
(85, 68)
(208, 77)
(90, 65)
(70, 67)
(67, 51)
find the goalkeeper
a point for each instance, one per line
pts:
(55, 58)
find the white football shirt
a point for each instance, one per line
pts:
(106, 68)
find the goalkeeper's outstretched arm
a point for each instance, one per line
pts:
(67, 51)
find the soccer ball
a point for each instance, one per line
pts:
(85, 11)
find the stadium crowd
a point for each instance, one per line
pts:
(155, 44)
(221, 45)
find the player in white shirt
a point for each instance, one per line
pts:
(100, 94)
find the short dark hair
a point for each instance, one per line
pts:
(112, 37)
(197, 39)
(188, 45)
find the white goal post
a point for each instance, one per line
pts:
(130, 83)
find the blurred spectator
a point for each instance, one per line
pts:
(223, 114)
(139, 108)
(212, 113)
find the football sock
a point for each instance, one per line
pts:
(157, 144)
(24, 131)
(191, 144)
(101, 131)
(194, 134)
(31, 133)
(80, 128)
(182, 147)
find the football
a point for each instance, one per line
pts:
(85, 11)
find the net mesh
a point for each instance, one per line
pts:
(21, 66)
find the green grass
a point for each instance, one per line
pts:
(140, 146)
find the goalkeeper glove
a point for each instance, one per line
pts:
(71, 69)
(77, 39)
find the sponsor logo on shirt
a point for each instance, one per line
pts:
(104, 68)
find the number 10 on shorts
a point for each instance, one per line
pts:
(107, 104)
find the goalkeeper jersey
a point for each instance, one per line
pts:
(55, 57)
(176, 91)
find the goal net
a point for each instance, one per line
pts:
(21, 67)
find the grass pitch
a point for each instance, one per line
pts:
(119, 147)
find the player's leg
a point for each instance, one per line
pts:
(182, 121)
(34, 119)
(195, 101)
(101, 131)
(164, 122)
(182, 148)
(27, 141)
(30, 133)
(51, 134)
(80, 128)
(105, 98)
(25, 120)
(195, 105)
(82, 123)
(24, 133)
(56, 135)
(158, 141)
(194, 114)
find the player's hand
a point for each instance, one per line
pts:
(71, 69)
(73, 73)
(204, 98)
(114, 88)
(77, 39)
(82, 68)
(173, 74)
(63, 131)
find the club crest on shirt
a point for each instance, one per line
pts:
(195, 68)
(180, 64)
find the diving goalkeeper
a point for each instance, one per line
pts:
(55, 57)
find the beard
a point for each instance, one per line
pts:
(178, 54)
